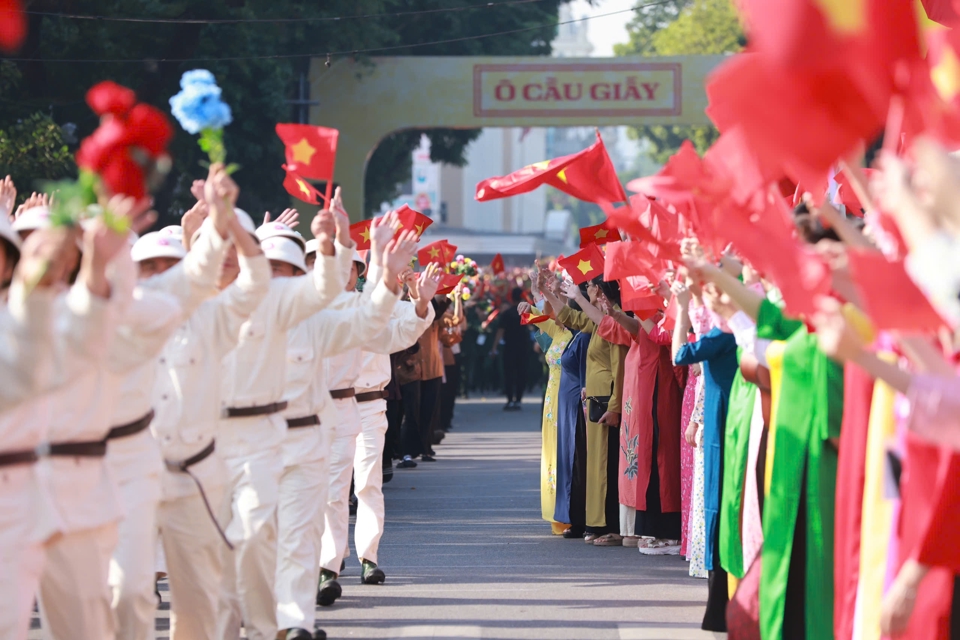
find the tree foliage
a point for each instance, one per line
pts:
(256, 89)
(682, 27)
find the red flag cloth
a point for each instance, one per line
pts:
(13, 25)
(360, 233)
(588, 175)
(496, 265)
(312, 149)
(440, 252)
(942, 11)
(413, 220)
(448, 282)
(585, 264)
(300, 188)
(629, 220)
(625, 259)
(846, 194)
(599, 234)
(682, 173)
(533, 317)
(889, 296)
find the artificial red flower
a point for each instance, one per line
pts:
(149, 128)
(122, 175)
(109, 97)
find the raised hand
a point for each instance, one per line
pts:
(381, 233)
(42, 261)
(193, 219)
(33, 200)
(571, 290)
(324, 228)
(101, 244)
(197, 189)
(8, 197)
(429, 282)
(523, 307)
(289, 217)
(604, 305)
(220, 194)
(398, 253)
(682, 292)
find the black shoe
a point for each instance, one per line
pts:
(297, 634)
(329, 589)
(372, 574)
(427, 458)
(407, 463)
(343, 565)
(319, 634)
(387, 474)
(573, 533)
(353, 505)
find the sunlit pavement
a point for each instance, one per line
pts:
(467, 555)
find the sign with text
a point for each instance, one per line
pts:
(577, 89)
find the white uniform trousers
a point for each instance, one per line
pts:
(192, 549)
(250, 570)
(21, 552)
(132, 571)
(337, 513)
(368, 480)
(303, 494)
(74, 595)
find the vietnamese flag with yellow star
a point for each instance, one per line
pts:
(413, 220)
(312, 149)
(440, 252)
(300, 188)
(599, 234)
(533, 316)
(585, 264)
(360, 233)
(588, 175)
(497, 265)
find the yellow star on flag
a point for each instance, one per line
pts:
(846, 16)
(601, 233)
(365, 234)
(303, 151)
(534, 314)
(434, 253)
(562, 175)
(584, 266)
(946, 75)
(303, 187)
(419, 229)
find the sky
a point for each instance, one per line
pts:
(608, 31)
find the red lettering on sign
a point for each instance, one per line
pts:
(528, 87)
(600, 91)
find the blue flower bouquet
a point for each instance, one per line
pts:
(199, 109)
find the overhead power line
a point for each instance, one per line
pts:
(339, 54)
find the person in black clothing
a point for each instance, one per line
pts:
(516, 350)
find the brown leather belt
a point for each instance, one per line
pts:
(184, 467)
(340, 394)
(248, 412)
(370, 396)
(131, 428)
(306, 421)
(93, 449)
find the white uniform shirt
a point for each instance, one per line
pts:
(186, 395)
(26, 344)
(160, 306)
(254, 373)
(321, 336)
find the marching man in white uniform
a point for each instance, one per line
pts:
(161, 304)
(310, 417)
(78, 331)
(186, 399)
(251, 437)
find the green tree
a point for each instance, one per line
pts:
(682, 27)
(257, 90)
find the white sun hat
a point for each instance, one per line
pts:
(284, 250)
(311, 246)
(32, 219)
(172, 231)
(278, 229)
(157, 245)
(242, 216)
(361, 263)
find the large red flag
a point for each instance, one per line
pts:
(300, 188)
(412, 220)
(312, 149)
(588, 175)
(585, 264)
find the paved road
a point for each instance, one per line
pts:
(467, 555)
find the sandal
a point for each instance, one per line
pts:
(631, 541)
(609, 540)
(590, 537)
(659, 547)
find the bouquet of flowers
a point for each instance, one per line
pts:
(199, 109)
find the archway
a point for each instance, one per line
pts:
(367, 102)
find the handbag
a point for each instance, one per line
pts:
(451, 336)
(407, 366)
(596, 407)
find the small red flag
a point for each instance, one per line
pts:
(599, 234)
(440, 252)
(412, 220)
(533, 317)
(625, 259)
(496, 265)
(360, 233)
(847, 195)
(312, 149)
(299, 188)
(13, 25)
(588, 175)
(448, 282)
(585, 264)
(889, 296)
